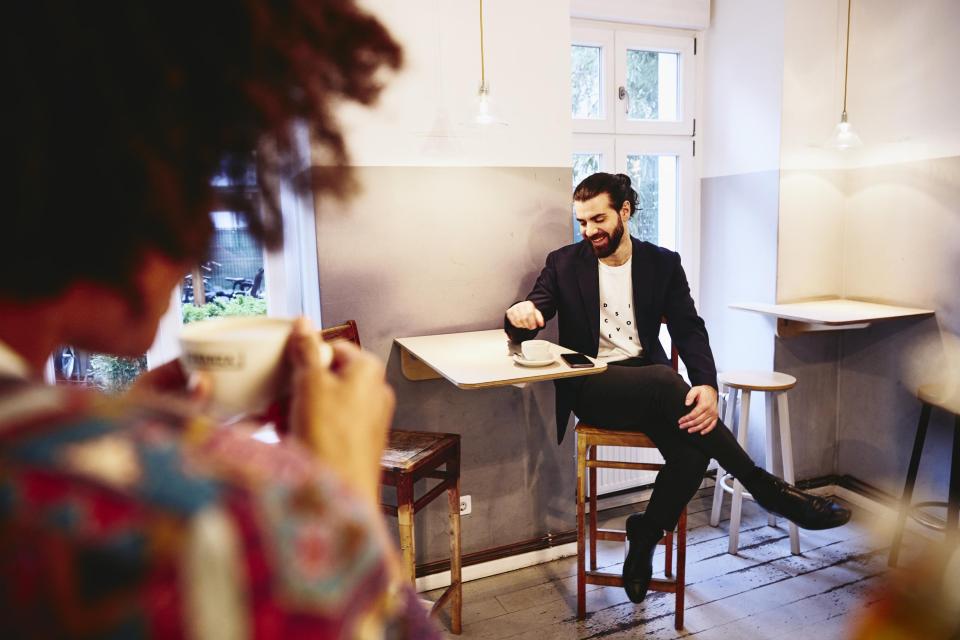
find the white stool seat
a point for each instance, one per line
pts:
(758, 380)
(775, 386)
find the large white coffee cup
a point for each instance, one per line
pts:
(243, 358)
(535, 349)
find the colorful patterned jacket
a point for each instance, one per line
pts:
(123, 519)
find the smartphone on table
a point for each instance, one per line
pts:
(576, 360)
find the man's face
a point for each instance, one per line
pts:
(601, 224)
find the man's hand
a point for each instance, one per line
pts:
(703, 417)
(342, 412)
(524, 315)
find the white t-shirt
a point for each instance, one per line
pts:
(618, 326)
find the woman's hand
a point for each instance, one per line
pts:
(341, 412)
(171, 378)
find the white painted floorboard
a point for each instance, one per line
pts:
(762, 592)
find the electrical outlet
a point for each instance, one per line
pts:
(466, 506)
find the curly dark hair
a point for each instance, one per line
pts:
(617, 187)
(119, 115)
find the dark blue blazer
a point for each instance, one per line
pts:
(569, 288)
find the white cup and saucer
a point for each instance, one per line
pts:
(534, 353)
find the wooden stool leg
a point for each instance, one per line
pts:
(405, 522)
(907, 497)
(668, 554)
(456, 581)
(737, 501)
(718, 487)
(786, 446)
(592, 493)
(953, 504)
(770, 398)
(581, 496)
(681, 569)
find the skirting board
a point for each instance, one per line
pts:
(501, 565)
(531, 558)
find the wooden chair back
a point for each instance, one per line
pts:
(346, 331)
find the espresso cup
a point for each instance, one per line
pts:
(243, 358)
(535, 349)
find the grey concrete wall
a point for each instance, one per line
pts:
(902, 245)
(425, 250)
(738, 245)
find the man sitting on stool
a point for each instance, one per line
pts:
(610, 292)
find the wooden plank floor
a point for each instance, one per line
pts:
(762, 592)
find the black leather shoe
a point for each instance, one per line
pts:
(638, 567)
(806, 510)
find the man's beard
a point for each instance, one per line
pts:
(612, 243)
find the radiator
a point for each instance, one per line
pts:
(610, 480)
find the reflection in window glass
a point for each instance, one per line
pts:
(652, 83)
(655, 178)
(111, 374)
(585, 81)
(231, 278)
(584, 164)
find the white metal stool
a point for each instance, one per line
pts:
(775, 386)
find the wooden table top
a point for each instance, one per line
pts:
(482, 359)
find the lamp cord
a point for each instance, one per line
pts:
(846, 58)
(483, 74)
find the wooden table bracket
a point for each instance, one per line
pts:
(414, 368)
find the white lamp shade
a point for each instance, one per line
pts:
(844, 137)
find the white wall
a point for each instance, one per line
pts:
(423, 117)
(739, 125)
(675, 14)
(810, 263)
(740, 100)
(903, 93)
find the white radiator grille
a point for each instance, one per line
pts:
(610, 480)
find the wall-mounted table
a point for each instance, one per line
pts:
(833, 314)
(479, 359)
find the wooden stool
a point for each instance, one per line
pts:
(588, 439)
(411, 456)
(775, 385)
(930, 396)
(408, 457)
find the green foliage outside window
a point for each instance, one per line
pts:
(113, 374)
(236, 306)
(643, 84)
(585, 81)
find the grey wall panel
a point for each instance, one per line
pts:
(738, 245)
(814, 361)
(902, 246)
(879, 411)
(426, 250)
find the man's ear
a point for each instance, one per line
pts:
(625, 209)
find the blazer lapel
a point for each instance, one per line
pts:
(589, 284)
(642, 273)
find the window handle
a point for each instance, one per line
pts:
(623, 95)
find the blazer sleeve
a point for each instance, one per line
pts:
(544, 298)
(688, 331)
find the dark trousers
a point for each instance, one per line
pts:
(634, 395)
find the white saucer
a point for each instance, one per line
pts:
(519, 359)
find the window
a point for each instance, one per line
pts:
(231, 280)
(632, 100)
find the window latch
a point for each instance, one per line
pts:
(623, 95)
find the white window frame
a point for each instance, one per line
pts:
(683, 150)
(616, 137)
(605, 145)
(682, 45)
(603, 38)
